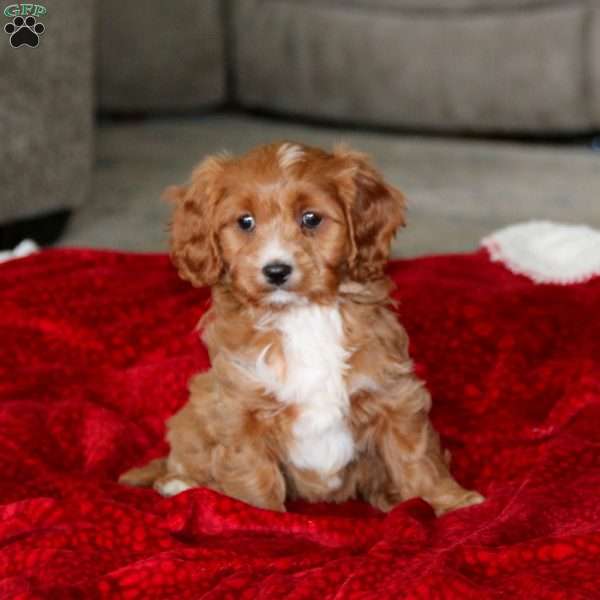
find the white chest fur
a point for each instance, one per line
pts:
(315, 365)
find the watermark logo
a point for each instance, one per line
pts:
(25, 28)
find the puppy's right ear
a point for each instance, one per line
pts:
(194, 246)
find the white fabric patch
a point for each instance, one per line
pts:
(547, 252)
(24, 248)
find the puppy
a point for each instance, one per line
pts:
(312, 392)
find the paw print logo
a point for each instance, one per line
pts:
(24, 32)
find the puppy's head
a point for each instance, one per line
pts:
(285, 223)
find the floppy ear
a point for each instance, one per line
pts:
(194, 247)
(374, 211)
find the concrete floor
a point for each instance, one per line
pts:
(458, 190)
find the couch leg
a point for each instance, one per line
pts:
(44, 229)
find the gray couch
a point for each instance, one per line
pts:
(510, 66)
(46, 115)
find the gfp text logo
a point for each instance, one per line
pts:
(25, 29)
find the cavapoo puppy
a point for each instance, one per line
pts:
(312, 392)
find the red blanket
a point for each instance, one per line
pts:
(95, 352)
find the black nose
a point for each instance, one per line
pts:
(277, 273)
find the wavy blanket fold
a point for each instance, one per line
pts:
(95, 352)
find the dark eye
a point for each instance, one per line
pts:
(311, 220)
(246, 222)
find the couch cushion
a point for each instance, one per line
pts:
(432, 5)
(506, 70)
(155, 57)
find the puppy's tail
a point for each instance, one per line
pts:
(145, 476)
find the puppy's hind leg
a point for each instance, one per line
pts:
(189, 459)
(171, 485)
(145, 476)
(157, 474)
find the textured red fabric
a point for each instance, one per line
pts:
(95, 351)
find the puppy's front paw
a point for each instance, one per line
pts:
(450, 502)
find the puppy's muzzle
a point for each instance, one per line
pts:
(277, 273)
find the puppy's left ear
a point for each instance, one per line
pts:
(374, 211)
